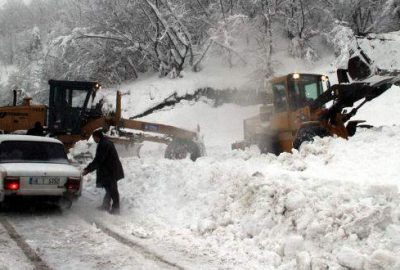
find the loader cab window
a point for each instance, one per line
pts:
(78, 98)
(280, 99)
(304, 89)
(67, 106)
(311, 91)
(73, 98)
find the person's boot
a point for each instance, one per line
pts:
(114, 211)
(103, 208)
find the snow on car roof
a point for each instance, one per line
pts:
(14, 137)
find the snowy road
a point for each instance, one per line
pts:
(54, 240)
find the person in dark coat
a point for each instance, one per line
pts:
(108, 171)
(37, 130)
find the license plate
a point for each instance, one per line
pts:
(44, 181)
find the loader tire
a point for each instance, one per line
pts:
(269, 144)
(307, 134)
(180, 149)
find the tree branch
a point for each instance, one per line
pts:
(230, 50)
(197, 63)
(100, 37)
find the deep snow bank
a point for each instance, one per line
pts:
(334, 203)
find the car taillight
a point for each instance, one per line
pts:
(11, 183)
(73, 183)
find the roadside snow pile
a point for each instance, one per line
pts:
(333, 205)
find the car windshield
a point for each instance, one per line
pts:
(32, 151)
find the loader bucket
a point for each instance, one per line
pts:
(182, 148)
(358, 68)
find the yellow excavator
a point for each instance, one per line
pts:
(72, 116)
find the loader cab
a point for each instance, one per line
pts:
(68, 105)
(295, 91)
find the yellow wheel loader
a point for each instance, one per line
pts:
(305, 105)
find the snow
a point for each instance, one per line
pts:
(67, 242)
(246, 210)
(10, 254)
(350, 258)
(236, 210)
(5, 72)
(332, 205)
(2, 2)
(382, 49)
(151, 90)
(382, 111)
(219, 127)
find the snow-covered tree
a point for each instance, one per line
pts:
(114, 41)
(389, 19)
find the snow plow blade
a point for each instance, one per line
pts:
(177, 148)
(127, 147)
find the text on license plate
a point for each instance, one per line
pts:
(44, 180)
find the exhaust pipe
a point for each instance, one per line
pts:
(15, 97)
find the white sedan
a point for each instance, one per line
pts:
(32, 166)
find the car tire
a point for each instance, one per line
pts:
(64, 203)
(269, 144)
(308, 133)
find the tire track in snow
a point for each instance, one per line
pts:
(67, 241)
(132, 244)
(29, 252)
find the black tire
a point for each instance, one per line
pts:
(307, 134)
(64, 203)
(269, 144)
(180, 149)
